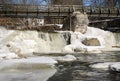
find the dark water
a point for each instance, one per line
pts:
(80, 71)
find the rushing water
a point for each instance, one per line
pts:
(80, 70)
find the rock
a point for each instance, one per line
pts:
(115, 67)
(91, 42)
(81, 29)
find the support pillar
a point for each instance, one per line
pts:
(70, 23)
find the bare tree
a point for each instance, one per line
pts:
(105, 3)
(67, 2)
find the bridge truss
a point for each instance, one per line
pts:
(8, 10)
(60, 10)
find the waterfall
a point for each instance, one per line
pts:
(27, 42)
(54, 42)
(117, 38)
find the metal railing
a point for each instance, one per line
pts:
(55, 10)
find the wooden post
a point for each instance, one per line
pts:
(59, 20)
(70, 23)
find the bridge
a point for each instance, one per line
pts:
(57, 12)
(36, 11)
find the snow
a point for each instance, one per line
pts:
(8, 56)
(103, 66)
(29, 69)
(27, 42)
(106, 39)
(115, 67)
(66, 58)
(77, 38)
(39, 60)
(24, 62)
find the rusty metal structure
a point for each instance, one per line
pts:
(42, 8)
(57, 11)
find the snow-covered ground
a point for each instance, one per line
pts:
(25, 62)
(27, 69)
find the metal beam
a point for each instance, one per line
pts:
(55, 10)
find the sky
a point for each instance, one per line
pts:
(37, 2)
(43, 2)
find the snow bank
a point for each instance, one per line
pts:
(112, 66)
(28, 62)
(103, 66)
(34, 68)
(106, 39)
(115, 67)
(8, 56)
(77, 45)
(66, 58)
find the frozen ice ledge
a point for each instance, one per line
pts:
(24, 43)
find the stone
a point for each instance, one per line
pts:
(81, 29)
(80, 22)
(91, 42)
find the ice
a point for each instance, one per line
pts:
(27, 42)
(103, 66)
(8, 56)
(24, 62)
(115, 67)
(66, 58)
(29, 69)
(106, 39)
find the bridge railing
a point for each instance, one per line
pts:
(102, 3)
(58, 10)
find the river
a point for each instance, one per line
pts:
(80, 71)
